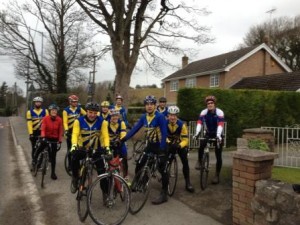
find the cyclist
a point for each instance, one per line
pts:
(212, 121)
(70, 114)
(162, 108)
(89, 131)
(117, 131)
(178, 142)
(34, 120)
(105, 110)
(52, 130)
(156, 135)
(118, 106)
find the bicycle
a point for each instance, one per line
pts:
(43, 159)
(109, 195)
(66, 163)
(138, 149)
(204, 167)
(172, 170)
(84, 184)
(141, 182)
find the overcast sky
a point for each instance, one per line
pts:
(229, 21)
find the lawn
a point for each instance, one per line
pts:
(287, 175)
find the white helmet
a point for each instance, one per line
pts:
(173, 110)
(38, 99)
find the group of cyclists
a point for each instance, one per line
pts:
(105, 128)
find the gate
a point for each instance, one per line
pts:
(287, 145)
(195, 144)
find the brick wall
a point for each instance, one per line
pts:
(249, 166)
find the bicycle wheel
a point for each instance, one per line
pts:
(44, 166)
(38, 164)
(66, 163)
(138, 149)
(82, 208)
(140, 188)
(104, 204)
(204, 171)
(172, 170)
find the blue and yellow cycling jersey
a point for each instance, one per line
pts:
(70, 114)
(90, 134)
(116, 130)
(155, 128)
(177, 133)
(34, 119)
(163, 111)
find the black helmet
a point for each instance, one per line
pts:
(162, 99)
(53, 106)
(92, 106)
(149, 99)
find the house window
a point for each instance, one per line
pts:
(214, 80)
(190, 83)
(174, 85)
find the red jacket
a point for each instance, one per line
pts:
(52, 128)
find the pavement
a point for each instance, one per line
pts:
(183, 214)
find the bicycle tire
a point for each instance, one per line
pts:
(106, 207)
(140, 189)
(82, 208)
(44, 167)
(37, 164)
(172, 170)
(204, 171)
(138, 149)
(66, 163)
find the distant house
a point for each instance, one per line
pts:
(223, 71)
(275, 82)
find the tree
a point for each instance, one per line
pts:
(67, 50)
(3, 93)
(282, 35)
(144, 29)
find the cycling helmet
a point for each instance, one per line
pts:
(119, 97)
(149, 99)
(105, 103)
(92, 106)
(38, 99)
(173, 110)
(210, 98)
(53, 106)
(162, 99)
(73, 98)
(114, 112)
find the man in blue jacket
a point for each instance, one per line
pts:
(156, 135)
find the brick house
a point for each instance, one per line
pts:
(223, 71)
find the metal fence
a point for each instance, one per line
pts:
(287, 145)
(195, 144)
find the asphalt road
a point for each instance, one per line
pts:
(55, 204)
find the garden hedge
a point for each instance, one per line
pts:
(243, 108)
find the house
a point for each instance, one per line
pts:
(278, 82)
(223, 71)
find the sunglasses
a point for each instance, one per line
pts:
(210, 103)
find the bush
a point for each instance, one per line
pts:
(243, 108)
(258, 145)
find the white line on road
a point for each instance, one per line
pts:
(30, 191)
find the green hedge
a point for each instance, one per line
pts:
(243, 108)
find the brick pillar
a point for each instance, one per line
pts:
(249, 166)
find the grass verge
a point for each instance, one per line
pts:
(287, 175)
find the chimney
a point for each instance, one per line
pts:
(185, 61)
